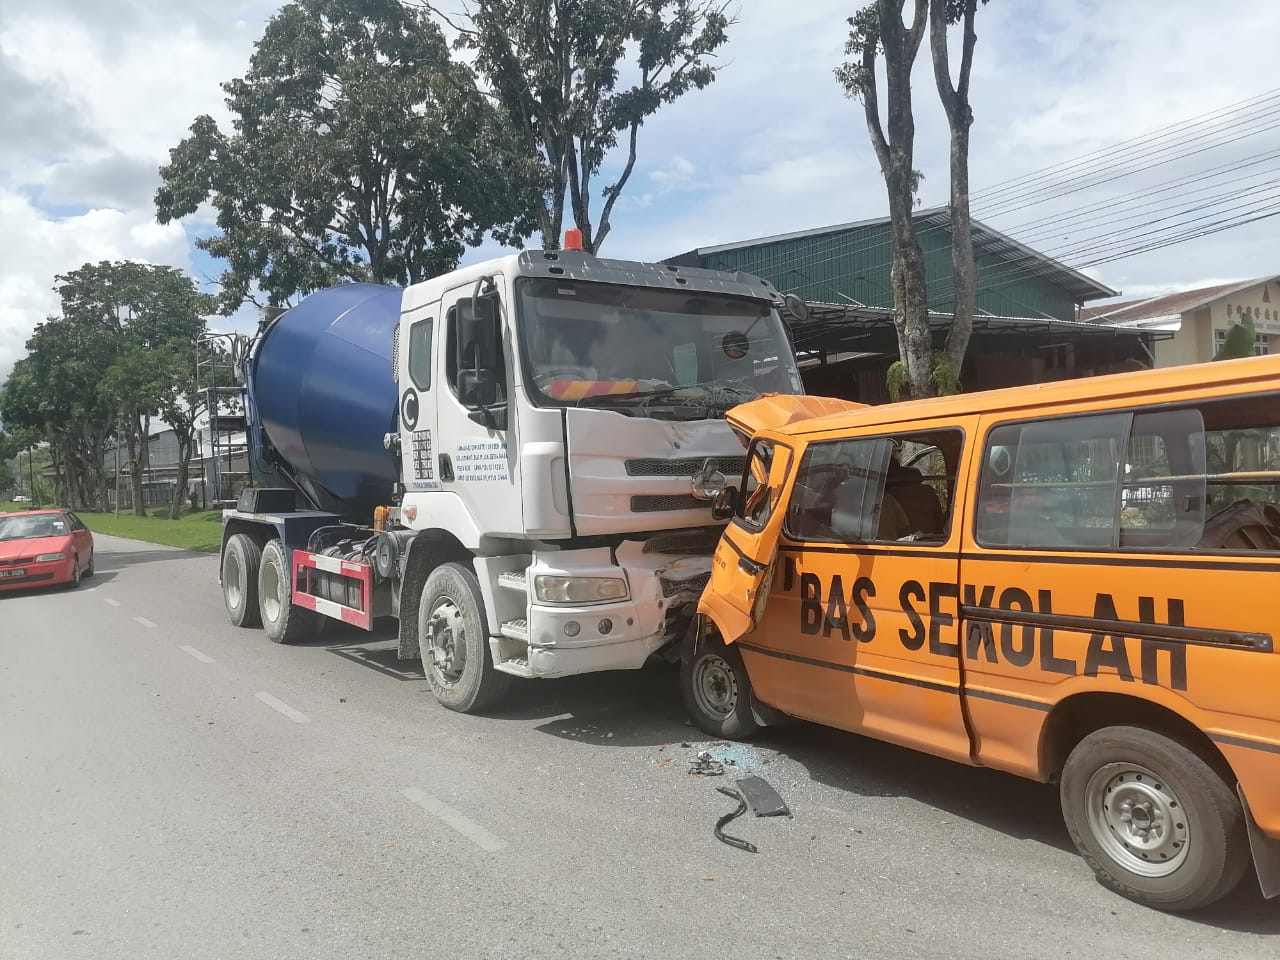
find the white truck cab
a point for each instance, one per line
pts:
(561, 433)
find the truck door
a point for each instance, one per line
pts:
(476, 427)
(457, 414)
(743, 562)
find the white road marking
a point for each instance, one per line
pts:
(198, 655)
(145, 622)
(477, 834)
(296, 716)
(114, 603)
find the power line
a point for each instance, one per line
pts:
(1126, 145)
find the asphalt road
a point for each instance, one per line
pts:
(171, 787)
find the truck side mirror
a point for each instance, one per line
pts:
(477, 334)
(477, 387)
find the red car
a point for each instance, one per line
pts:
(43, 547)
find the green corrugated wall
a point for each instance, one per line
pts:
(854, 264)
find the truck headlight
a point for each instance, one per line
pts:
(50, 557)
(580, 590)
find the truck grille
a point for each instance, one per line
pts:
(697, 542)
(661, 504)
(696, 584)
(687, 467)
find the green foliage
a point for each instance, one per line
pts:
(7, 479)
(1239, 341)
(945, 378)
(554, 66)
(359, 151)
(898, 381)
(855, 75)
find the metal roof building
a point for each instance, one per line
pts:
(849, 263)
(1028, 327)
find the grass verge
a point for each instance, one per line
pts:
(201, 530)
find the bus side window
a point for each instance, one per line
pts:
(1162, 498)
(1242, 467)
(1052, 483)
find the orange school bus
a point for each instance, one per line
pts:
(1075, 582)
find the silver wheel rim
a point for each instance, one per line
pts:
(446, 642)
(715, 689)
(272, 596)
(231, 579)
(1137, 819)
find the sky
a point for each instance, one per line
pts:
(93, 94)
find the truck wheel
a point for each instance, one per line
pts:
(240, 561)
(1155, 822)
(717, 691)
(455, 644)
(282, 621)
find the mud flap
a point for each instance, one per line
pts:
(1266, 852)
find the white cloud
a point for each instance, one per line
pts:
(34, 247)
(678, 172)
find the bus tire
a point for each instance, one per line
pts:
(240, 560)
(454, 642)
(281, 620)
(1155, 821)
(717, 691)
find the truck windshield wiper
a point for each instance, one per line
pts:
(708, 393)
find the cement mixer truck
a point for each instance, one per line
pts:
(515, 460)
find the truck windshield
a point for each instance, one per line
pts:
(650, 352)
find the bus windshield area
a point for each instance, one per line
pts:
(650, 352)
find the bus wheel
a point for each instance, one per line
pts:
(455, 644)
(1155, 822)
(717, 691)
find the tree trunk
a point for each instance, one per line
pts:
(184, 465)
(962, 265)
(955, 104)
(137, 450)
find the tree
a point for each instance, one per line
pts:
(136, 312)
(959, 113)
(7, 482)
(181, 405)
(553, 67)
(360, 151)
(879, 29)
(96, 366)
(52, 396)
(1240, 340)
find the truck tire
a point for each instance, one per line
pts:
(1155, 822)
(717, 691)
(454, 642)
(282, 621)
(240, 559)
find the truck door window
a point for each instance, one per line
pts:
(878, 489)
(420, 353)
(759, 497)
